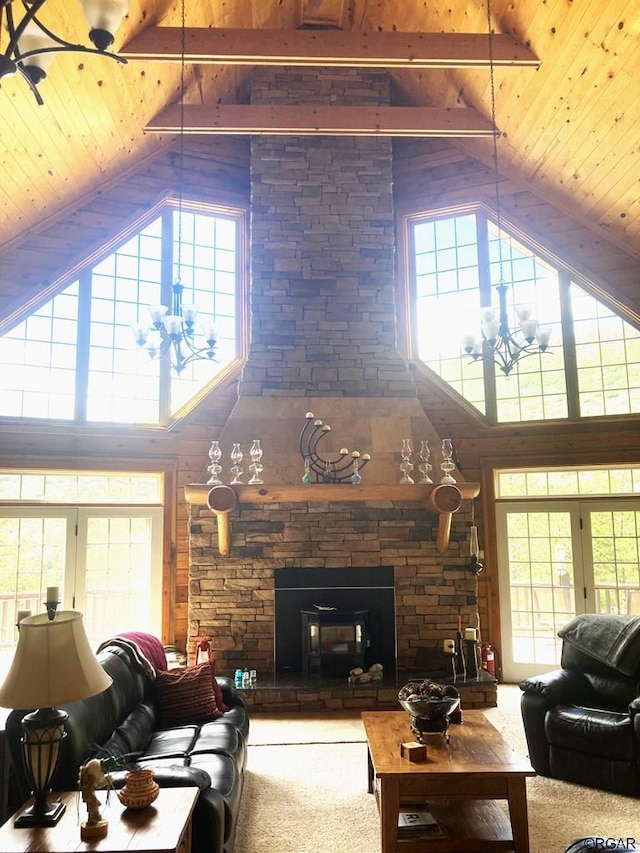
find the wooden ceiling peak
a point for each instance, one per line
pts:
(337, 48)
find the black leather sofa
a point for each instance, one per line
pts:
(582, 722)
(124, 719)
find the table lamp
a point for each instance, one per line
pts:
(53, 664)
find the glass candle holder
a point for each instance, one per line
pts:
(236, 468)
(447, 465)
(425, 466)
(214, 467)
(406, 466)
(256, 467)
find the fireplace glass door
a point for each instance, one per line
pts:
(333, 641)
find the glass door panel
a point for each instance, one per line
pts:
(120, 570)
(36, 551)
(540, 566)
(612, 548)
(557, 559)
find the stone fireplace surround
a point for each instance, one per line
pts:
(323, 339)
(232, 597)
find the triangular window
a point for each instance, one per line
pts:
(75, 357)
(592, 366)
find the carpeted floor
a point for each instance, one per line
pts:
(306, 790)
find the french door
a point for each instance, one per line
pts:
(106, 561)
(557, 559)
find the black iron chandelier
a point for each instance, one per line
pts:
(497, 342)
(174, 334)
(32, 45)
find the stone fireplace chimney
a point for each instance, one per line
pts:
(323, 317)
(323, 340)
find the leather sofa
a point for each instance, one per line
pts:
(582, 722)
(125, 720)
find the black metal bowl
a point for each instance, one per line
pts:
(430, 706)
(431, 709)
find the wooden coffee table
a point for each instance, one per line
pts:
(163, 827)
(458, 782)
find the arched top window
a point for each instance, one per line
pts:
(592, 367)
(75, 357)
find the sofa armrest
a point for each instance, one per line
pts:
(230, 694)
(559, 687)
(634, 706)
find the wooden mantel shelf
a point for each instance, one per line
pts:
(442, 498)
(198, 493)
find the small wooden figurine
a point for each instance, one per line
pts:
(91, 777)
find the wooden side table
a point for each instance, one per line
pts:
(163, 827)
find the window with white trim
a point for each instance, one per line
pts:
(95, 536)
(592, 367)
(74, 358)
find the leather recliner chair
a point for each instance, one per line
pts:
(582, 722)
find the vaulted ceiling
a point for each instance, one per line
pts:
(570, 125)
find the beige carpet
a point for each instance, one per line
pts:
(306, 790)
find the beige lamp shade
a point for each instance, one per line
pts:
(53, 664)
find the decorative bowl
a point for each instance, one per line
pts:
(140, 790)
(430, 706)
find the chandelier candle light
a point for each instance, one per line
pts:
(497, 343)
(32, 45)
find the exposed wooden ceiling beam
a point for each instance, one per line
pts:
(311, 120)
(327, 47)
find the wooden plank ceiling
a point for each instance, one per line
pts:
(566, 95)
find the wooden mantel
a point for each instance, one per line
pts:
(442, 498)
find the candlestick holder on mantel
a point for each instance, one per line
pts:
(443, 499)
(345, 468)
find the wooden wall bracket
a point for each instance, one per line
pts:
(442, 498)
(222, 500)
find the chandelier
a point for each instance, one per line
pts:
(497, 342)
(31, 45)
(173, 333)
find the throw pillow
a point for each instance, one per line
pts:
(185, 696)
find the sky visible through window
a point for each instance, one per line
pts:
(54, 372)
(449, 285)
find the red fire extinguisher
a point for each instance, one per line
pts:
(488, 659)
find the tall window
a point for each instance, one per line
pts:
(568, 542)
(75, 357)
(593, 364)
(96, 536)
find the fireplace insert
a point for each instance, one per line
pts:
(333, 641)
(328, 621)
